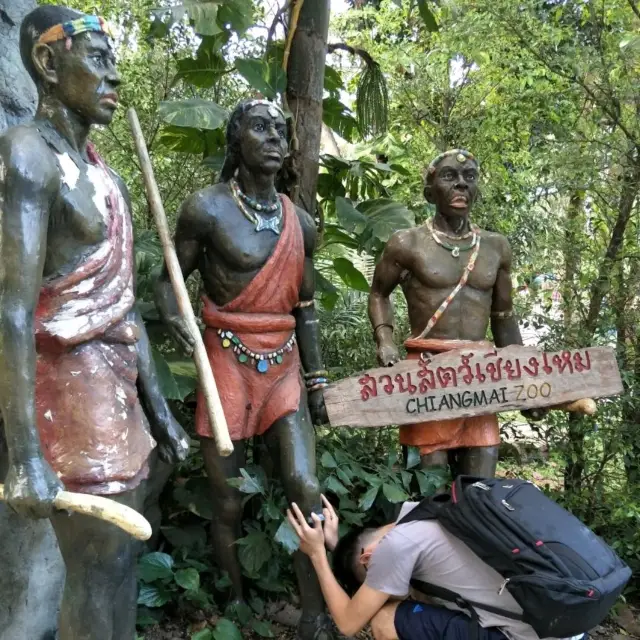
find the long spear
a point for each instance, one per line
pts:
(207, 381)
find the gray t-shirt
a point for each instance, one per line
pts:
(425, 551)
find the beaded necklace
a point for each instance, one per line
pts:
(454, 249)
(242, 200)
(474, 229)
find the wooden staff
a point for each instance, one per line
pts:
(207, 381)
(126, 518)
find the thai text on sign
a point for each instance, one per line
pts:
(463, 383)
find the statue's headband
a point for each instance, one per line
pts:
(67, 30)
(462, 155)
(274, 109)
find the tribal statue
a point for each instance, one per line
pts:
(254, 250)
(456, 279)
(79, 393)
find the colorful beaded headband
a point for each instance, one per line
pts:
(66, 30)
(461, 156)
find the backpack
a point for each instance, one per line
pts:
(565, 578)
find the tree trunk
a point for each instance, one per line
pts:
(32, 570)
(304, 96)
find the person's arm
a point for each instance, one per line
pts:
(350, 615)
(504, 324)
(188, 250)
(29, 181)
(307, 325)
(173, 443)
(386, 278)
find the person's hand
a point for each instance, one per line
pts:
(31, 487)
(535, 415)
(317, 408)
(388, 354)
(311, 538)
(173, 441)
(331, 523)
(180, 332)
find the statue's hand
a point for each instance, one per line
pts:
(173, 441)
(31, 487)
(317, 408)
(388, 354)
(180, 333)
(535, 415)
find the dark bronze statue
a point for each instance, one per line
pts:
(254, 251)
(75, 358)
(430, 263)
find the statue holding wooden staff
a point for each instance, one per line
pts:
(79, 394)
(254, 250)
(456, 279)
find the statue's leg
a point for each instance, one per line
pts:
(478, 461)
(292, 442)
(433, 461)
(227, 508)
(100, 591)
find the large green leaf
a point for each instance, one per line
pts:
(287, 537)
(226, 630)
(195, 113)
(188, 579)
(255, 551)
(262, 628)
(338, 117)
(204, 71)
(167, 382)
(427, 16)
(368, 498)
(350, 275)
(155, 566)
(238, 14)
(349, 217)
(268, 79)
(385, 217)
(202, 14)
(393, 493)
(153, 596)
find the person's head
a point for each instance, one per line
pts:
(69, 56)
(451, 183)
(352, 555)
(256, 139)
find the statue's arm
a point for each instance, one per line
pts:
(307, 325)
(504, 324)
(188, 249)
(173, 444)
(29, 181)
(386, 278)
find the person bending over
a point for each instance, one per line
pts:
(376, 565)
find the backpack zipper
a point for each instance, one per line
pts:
(504, 586)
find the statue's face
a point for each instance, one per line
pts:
(87, 80)
(454, 187)
(263, 139)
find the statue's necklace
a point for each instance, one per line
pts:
(262, 223)
(454, 248)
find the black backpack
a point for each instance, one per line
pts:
(565, 578)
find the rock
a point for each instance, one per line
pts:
(626, 618)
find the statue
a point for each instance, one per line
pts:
(76, 360)
(456, 279)
(254, 250)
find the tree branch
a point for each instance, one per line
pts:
(635, 9)
(354, 51)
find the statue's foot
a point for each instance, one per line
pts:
(316, 628)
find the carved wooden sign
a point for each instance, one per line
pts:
(463, 383)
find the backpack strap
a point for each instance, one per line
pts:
(468, 605)
(426, 509)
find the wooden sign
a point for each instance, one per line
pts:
(463, 383)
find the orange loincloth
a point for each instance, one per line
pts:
(456, 433)
(261, 316)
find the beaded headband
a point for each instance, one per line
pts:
(462, 155)
(66, 30)
(274, 109)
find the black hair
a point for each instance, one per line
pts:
(232, 154)
(345, 555)
(34, 25)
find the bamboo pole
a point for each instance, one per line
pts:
(205, 374)
(120, 515)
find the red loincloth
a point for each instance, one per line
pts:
(456, 433)
(261, 316)
(92, 428)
